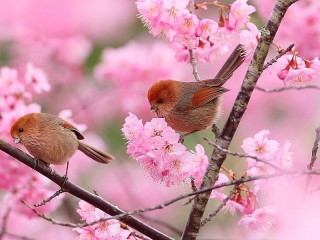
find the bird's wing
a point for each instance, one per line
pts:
(72, 128)
(206, 94)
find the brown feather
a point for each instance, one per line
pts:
(69, 126)
(207, 94)
(234, 61)
(94, 153)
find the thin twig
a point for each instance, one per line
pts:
(241, 155)
(271, 90)
(52, 220)
(274, 60)
(313, 158)
(56, 194)
(194, 65)
(221, 205)
(191, 52)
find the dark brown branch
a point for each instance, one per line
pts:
(313, 158)
(81, 193)
(217, 158)
(266, 90)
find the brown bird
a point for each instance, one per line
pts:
(52, 140)
(193, 106)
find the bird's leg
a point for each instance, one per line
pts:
(65, 176)
(57, 193)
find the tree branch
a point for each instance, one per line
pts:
(266, 90)
(254, 72)
(81, 193)
(313, 158)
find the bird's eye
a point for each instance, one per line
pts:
(160, 101)
(20, 129)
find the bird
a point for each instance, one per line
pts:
(53, 140)
(189, 107)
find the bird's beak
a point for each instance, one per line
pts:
(16, 139)
(154, 108)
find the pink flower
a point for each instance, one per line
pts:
(149, 9)
(37, 78)
(111, 229)
(206, 28)
(88, 212)
(261, 219)
(172, 10)
(293, 70)
(156, 147)
(284, 157)
(239, 14)
(33, 189)
(260, 146)
(132, 128)
(199, 165)
(187, 23)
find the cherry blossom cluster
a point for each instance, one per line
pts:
(156, 147)
(111, 229)
(16, 93)
(186, 31)
(245, 200)
(15, 100)
(279, 157)
(292, 69)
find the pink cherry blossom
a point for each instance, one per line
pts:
(187, 23)
(37, 78)
(293, 70)
(260, 146)
(111, 229)
(261, 219)
(200, 165)
(239, 14)
(156, 147)
(186, 31)
(207, 28)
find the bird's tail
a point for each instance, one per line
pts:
(236, 58)
(94, 153)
